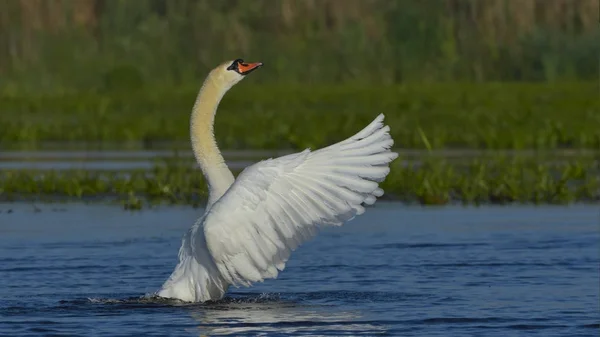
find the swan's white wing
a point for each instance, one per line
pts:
(277, 204)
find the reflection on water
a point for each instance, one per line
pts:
(273, 315)
(252, 313)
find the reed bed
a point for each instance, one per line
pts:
(55, 45)
(251, 116)
(432, 182)
(448, 74)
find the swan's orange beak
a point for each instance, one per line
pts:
(246, 68)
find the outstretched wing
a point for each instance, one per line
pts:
(277, 204)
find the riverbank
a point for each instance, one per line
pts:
(429, 181)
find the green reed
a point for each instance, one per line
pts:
(55, 45)
(446, 115)
(431, 182)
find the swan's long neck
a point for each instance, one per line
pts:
(218, 176)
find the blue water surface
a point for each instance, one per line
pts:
(90, 270)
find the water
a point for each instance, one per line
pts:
(237, 160)
(77, 270)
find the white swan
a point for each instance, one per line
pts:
(252, 224)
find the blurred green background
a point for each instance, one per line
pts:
(498, 100)
(461, 73)
(62, 45)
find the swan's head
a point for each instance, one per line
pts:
(231, 72)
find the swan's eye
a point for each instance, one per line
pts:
(234, 64)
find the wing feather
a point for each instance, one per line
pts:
(277, 204)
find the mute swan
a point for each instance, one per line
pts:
(252, 224)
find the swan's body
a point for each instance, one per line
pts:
(252, 224)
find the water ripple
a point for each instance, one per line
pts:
(395, 271)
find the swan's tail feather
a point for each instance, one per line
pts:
(196, 278)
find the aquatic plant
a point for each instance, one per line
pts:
(433, 181)
(434, 116)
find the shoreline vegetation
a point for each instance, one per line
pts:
(495, 116)
(496, 76)
(433, 182)
(529, 142)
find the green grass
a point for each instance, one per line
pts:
(436, 182)
(251, 116)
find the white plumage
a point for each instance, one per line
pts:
(249, 232)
